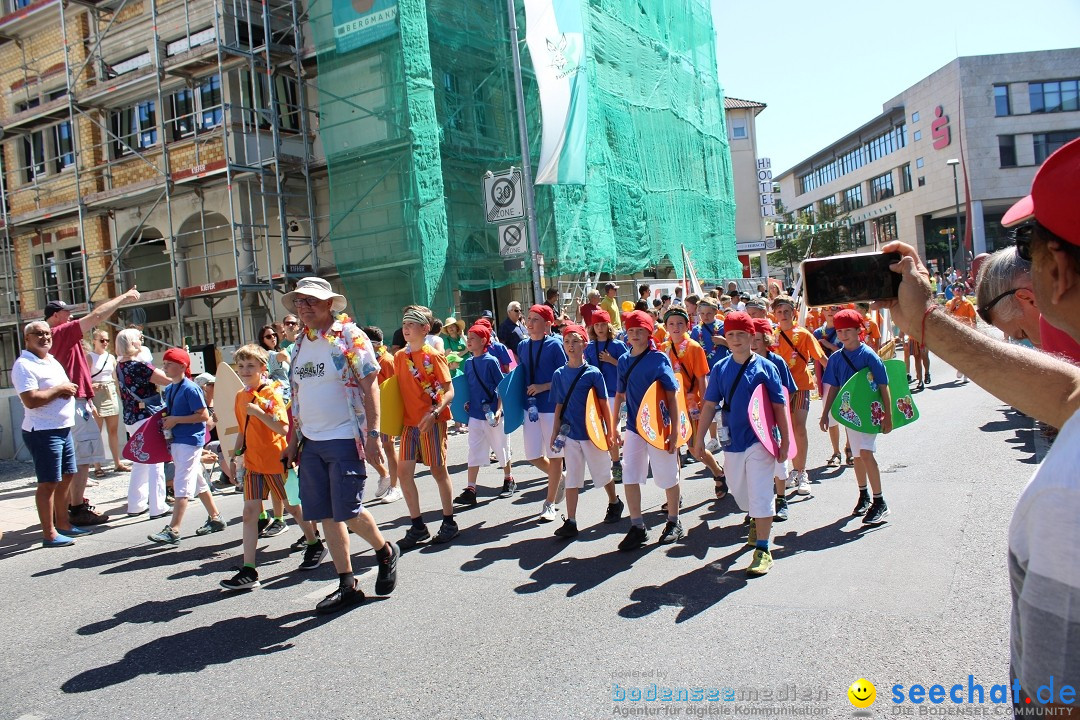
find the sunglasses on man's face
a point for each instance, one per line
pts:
(1022, 237)
(291, 323)
(984, 310)
(44, 334)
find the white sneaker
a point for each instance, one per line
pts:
(959, 375)
(803, 484)
(792, 480)
(713, 445)
(392, 495)
(382, 489)
(548, 514)
(560, 492)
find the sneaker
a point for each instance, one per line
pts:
(877, 513)
(509, 487)
(834, 460)
(213, 525)
(616, 472)
(467, 497)
(761, 563)
(246, 579)
(447, 532)
(688, 459)
(167, 536)
(614, 511)
(635, 538)
(382, 489)
(387, 580)
(751, 535)
(567, 530)
(863, 505)
(85, 514)
(492, 457)
(275, 528)
(341, 598)
(792, 480)
(560, 491)
(299, 544)
(926, 378)
(414, 536)
(672, 531)
(264, 522)
(803, 483)
(313, 555)
(713, 445)
(548, 514)
(59, 541)
(392, 495)
(781, 509)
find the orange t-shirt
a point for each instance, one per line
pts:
(803, 346)
(873, 333)
(659, 334)
(414, 397)
(386, 365)
(690, 365)
(262, 446)
(962, 309)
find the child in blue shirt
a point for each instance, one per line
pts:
(637, 371)
(747, 464)
(852, 357)
(484, 374)
(570, 389)
(762, 336)
(604, 351)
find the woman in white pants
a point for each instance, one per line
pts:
(138, 382)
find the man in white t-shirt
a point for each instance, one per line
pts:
(1044, 534)
(49, 398)
(335, 407)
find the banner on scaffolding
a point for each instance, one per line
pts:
(361, 22)
(555, 34)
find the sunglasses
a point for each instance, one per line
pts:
(269, 335)
(984, 310)
(103, 340)
(42, 334)
(1022, 237)
(291, 323)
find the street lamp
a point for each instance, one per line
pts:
(959, 237)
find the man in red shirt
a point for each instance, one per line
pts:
(68, 350)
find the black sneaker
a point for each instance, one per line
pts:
(414, 536)
(313, 555)
(672, 531)
(300, 544)
(688, 459)
(341, 598)
(263, 524)
(509, 487)
(447, 532)
(246, 579)
(781, 509)
(467, 497)
(387, 580)
(926, 378)
(567, 530)
(864, 504)
(275, 528)
(877, 513)
(637, 537)
(614, 511)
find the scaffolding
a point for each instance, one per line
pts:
(166, 144)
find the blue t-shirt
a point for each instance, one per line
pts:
(500, 351)
(539, 359)
(703, 335)
(782, 370)
(827, 333)
(481, 370)
(186, 398)
(617, 348)
(839, 371)
(654, 366)
(759, 371)
(573, 412)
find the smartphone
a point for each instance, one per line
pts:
(850, 278)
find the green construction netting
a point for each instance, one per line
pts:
(416, 102)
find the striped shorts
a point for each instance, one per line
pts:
(258, 486)
(428, 449)
(800, 400)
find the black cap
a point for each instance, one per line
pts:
(610, 286)
(487, 314)
(55, 306)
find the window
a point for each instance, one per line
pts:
(61, 276)
(19, 4)
(286, 95)
(200, 107)
(828, 202)
(74, 288)
(919, 162)
(868, 152)
(1001, 101)
(134, 128)
(922, 180)
(63, 147)
(858, 234)
(183, 114)
(1007, 150)
(881, 187)
(738, 129)
(905, 178)
(210, 101)
(1057, 96)
(808, 211)
(1047, 143)
(884, 229)
(201, 37)
(853, 198)
(914, 117)
(918, 135)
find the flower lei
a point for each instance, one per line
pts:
(677, 352)
(431, 388)
(335, 334)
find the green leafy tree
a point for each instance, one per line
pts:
(823, 243)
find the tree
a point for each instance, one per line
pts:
(797, 245)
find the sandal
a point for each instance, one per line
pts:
(720, 487)
(122, 468)
(834, 460)
(849, 457)
(100, 473)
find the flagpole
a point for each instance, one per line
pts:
(526, 159)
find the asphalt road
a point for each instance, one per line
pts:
(508, 622)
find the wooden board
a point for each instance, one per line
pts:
(594, 421)
(858, 404)
(763, 421)
(391, 407)
(512, 391)
(653, 423)
(226, 385)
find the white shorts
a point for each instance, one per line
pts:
(87, 435)
(188, 480)
(638, 455)
(538, 437)
(484, 438)
(582, 453)
(781, 470)
(860, 441)
(750, 480)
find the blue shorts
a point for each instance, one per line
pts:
(53, 452)
(332, 479)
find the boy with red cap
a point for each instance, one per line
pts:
(604, 351)
(762, 339)
(748, 464)
(185, 429)
(637, 371)
(499, 351)
(852, 357)
(539, 356)
(570, 388)
(485, 414)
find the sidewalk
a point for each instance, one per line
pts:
(18, 485)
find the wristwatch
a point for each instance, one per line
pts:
(373, 433)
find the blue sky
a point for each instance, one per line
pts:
(825, 68)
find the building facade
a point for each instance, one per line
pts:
(997, 116)
(745, 167)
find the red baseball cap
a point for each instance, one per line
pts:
(639, 319)
(544, 311)
(1053, 199)
(481, 331)
(600, 316)
(577, 330)
(847, 319)
(761, 325)
(180, 357)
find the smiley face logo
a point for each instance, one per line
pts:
(862, 693)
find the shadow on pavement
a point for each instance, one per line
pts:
(142, 556)
(694, 593)
(1023, 439)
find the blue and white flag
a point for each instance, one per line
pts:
(555, 35)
